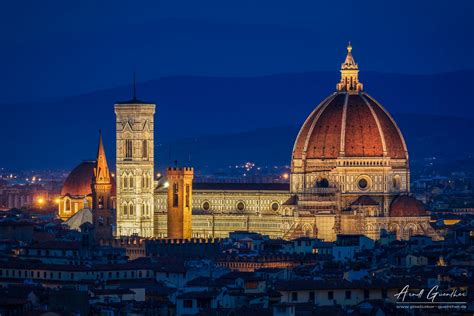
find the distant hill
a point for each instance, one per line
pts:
(445, 138)
(241, 112)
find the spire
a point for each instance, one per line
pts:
(134, 99)
(349, 63)
(101, 170)
(101, 181)
(349, 74)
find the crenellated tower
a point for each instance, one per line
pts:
(180, 202)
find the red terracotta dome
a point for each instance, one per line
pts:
(365, 200)
(78, 182)
(349, 125)
(407, 206)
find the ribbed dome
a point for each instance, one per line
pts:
(406, 206)
(78, 182)
(349, 125)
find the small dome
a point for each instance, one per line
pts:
(79, 181)
(364, 200)
(407, 206)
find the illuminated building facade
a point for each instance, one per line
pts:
(76, 193)
(103, 214)
(88, 195)
(86, 180)
(135, 167)
(349, 175)
(179, 202)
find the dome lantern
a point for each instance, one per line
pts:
(349, 74)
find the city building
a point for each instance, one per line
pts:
(349, 175)
(135, 167)
(88, 196)
(18, 196)
(85, 180)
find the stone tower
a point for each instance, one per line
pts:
(102, 197)
(135, 167)
(180, 202)
(101, 181)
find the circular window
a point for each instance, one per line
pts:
(240, 206)
(363, 184)
(322, 183)
(275, 206)
(206, 206)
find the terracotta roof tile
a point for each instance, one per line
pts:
(365, 124)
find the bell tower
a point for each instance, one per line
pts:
(101, 181)
(180, 202)
(135, 167)
(102, 197)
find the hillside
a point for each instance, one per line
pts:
(61, 133)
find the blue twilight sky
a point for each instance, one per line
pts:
(52, 49)
(64, 63)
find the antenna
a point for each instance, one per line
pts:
(134, 87)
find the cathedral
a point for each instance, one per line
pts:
(349, 175)
(88, 196)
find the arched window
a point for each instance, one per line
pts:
(125, 209)
(125, 181)
(128, 148)
(175, 195)
(132, 209)
(396, 182)
(188, 191)
(131, 181)
(67, 205)
(145, 149)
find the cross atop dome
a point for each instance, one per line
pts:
(349, 74)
